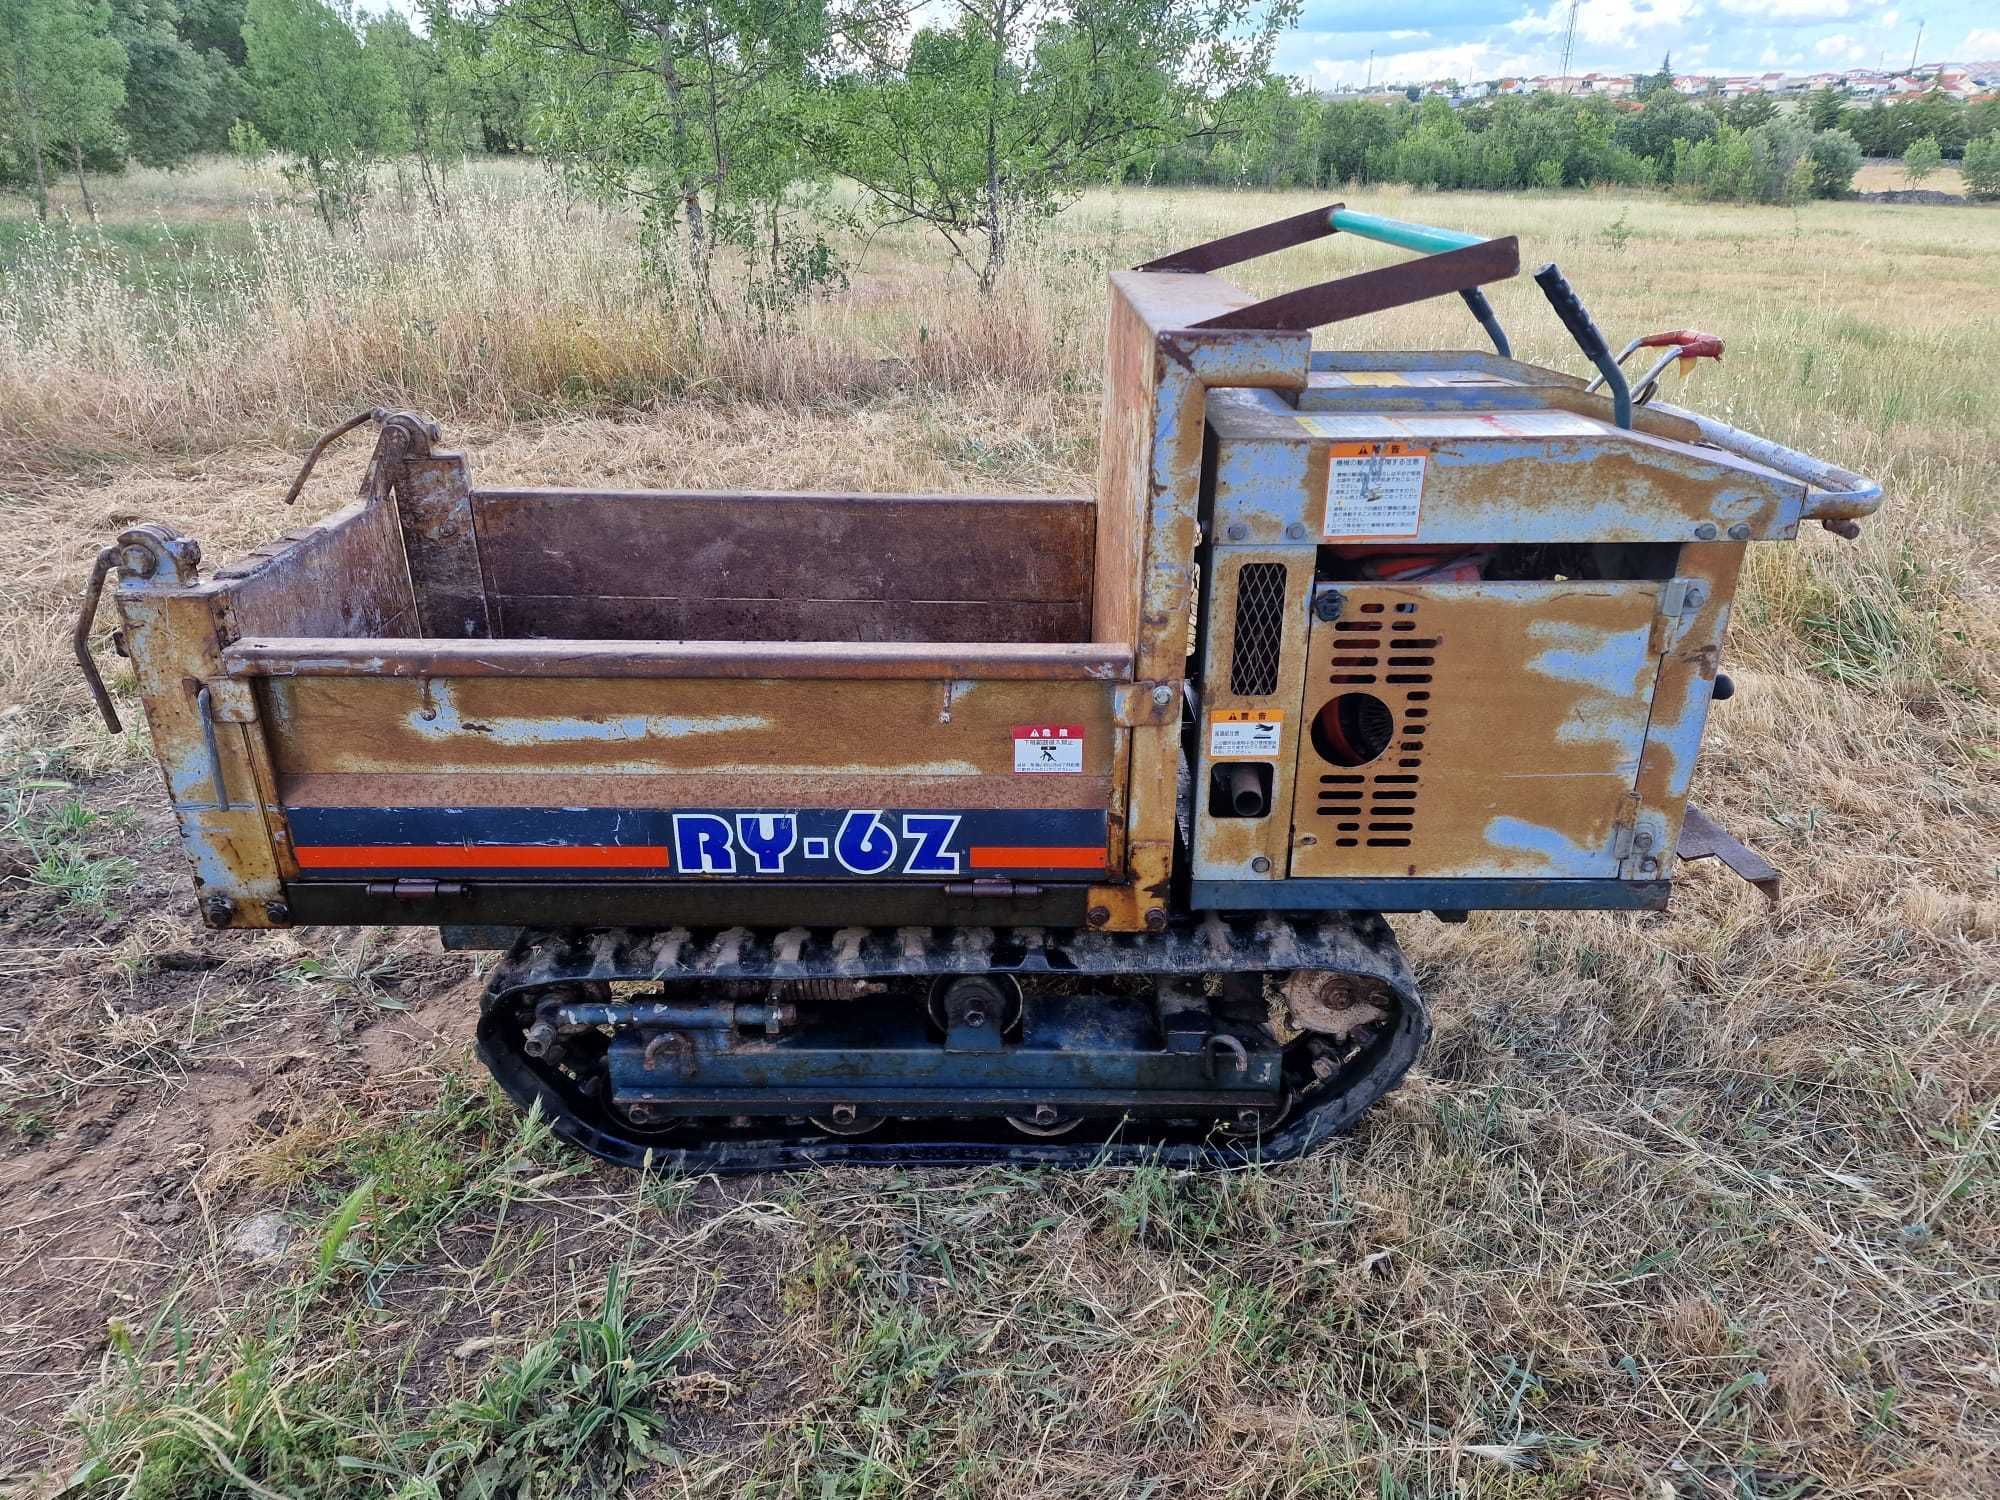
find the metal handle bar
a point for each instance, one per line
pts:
(1679, 343)
(1837, 496)
(107, 559)
(1422, 238)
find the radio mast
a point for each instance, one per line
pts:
(1569, 41)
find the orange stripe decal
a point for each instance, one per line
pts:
(482, 856)
(1030, 857)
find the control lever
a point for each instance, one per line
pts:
(1576, 318)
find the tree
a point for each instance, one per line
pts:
(1012, 108)
(1823, 108)
(1650, 84)
(322, 97)
(1835, 159)
(1982, 166)
(691, 109)
(434, 98)
(1749, 110)
(63, 77)
(493, 88)
(1922, 158)
(179, 98)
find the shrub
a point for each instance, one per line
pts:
(1982, 166)
(1836, 157)
(1922, 158)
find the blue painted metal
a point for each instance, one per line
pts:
(1422, 238)
(1085, 1051)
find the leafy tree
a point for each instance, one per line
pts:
(434, 98)
(64, 79)
(1666, 118)
(215, 26)
(1749, 111)
(1351, 132)
(1982, 166)
(1008, 111)
(689, 108)
(320, 95)
(1835, 159)
(1922, 158)
(494, 89)
(1653, 83)
(179, 98)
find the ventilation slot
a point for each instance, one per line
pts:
(1375, 806)
(1259, 638)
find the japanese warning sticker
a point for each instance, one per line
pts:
(1373, 490)
(1046, 749)
(1245, 733)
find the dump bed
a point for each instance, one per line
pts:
(583, 701)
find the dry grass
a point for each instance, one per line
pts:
(1699, 1204)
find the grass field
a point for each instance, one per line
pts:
(1698, 1204)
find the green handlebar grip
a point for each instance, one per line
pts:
(1419, 237)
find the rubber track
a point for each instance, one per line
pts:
(1357, 943)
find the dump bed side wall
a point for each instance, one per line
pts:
(671, 565)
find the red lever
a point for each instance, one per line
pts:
(1694, 344)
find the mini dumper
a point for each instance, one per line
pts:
(824, 828)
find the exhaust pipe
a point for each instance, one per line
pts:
(1244, 790)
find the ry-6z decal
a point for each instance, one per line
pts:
(747, 843)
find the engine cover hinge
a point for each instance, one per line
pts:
(415, 890)
(992, 888)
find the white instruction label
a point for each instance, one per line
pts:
(1373, 490)
(1045, 749)
(1245, 733)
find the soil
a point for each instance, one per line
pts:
(124, 1176)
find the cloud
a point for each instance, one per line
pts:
(1613, 23)
(1792, 12)
(1981, 43)
(1463, 60)
(1840, 47)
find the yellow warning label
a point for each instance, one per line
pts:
(1245, 733)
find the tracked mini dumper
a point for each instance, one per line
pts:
(919, 828)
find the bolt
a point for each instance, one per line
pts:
(975, 1018)
(1156, 919)
(1329, 604)
(1295, 531)
(218, 910)
(1648, 866)
(842, 1114)
(1248, 1120)
(1697, 596)
(1642, 840)
(1705, 532)
(1261, 865)
(540, 1040)
(639, 1114)
(1045, 1114)
(1163, 694)
(1740, 532)
(1097, 916)
(1236, 531)
(278, 912)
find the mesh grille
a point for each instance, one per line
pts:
(1260, 630)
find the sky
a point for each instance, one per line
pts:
(1473, 39)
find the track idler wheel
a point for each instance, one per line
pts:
(845, 1119)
